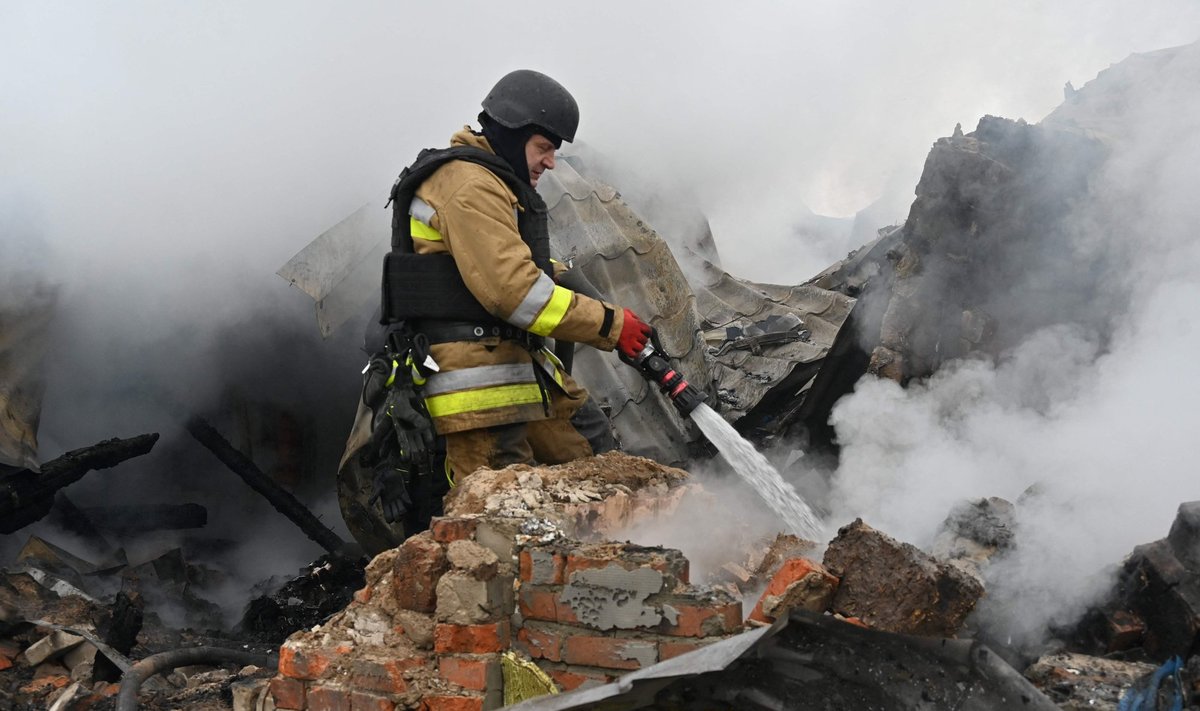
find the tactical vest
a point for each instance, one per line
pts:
(429, 286)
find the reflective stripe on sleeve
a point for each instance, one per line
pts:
(421, 211)
(479, 377)
(420, 230)
(484, 399)
(553, 314)
(534, 302)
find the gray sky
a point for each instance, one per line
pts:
(223, 134)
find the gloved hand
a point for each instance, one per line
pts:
(411, 426)
(391, 492)
(635, 333)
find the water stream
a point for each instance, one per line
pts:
(754, 468)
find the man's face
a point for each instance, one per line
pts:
(539, 156)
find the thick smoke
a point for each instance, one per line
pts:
(1099, 423)
(161, 161)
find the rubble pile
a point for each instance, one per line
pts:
(445, 615)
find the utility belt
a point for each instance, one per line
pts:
(443, 331)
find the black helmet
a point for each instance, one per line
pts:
(525, 97)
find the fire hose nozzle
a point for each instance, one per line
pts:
(655, 367)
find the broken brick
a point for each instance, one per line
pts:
(302, 662)
(667, 561)
(542, 567)
(673, 648)
(446, 529)
(701, 618)
(569, 679)
(610, 652)
(474, 673)
(799, 583)
(52, 646)
(419, 566)
(464, 600)
(287, 693)
(895, 587)
(383, 674)
(452, 703)
(362, 701)
(470, 557)
(540, 643)
(42, 684)
(328, 698)
(535, 603)
(471, 639)
(363, 596)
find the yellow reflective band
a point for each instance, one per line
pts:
(449, 474)
(552, 315)
(420, 230)
(483, 399)
(392, 376)
(552, 365)
(418, 379)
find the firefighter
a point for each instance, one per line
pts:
(470, 273)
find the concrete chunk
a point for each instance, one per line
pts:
(52, 646)
(895, 587)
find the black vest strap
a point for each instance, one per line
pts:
(429, 286)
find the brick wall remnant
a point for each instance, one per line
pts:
(432, 636)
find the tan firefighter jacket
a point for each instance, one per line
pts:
(467, 211)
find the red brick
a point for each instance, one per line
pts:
(302, 662)
(419, 565)
(287, 693)
(472, 639)
(42, 684)
(364, 596)
(328, 698)
(669, 562)
(472, 673)
(536, 603)
(609, 652)
(699, 620)
(571, 679)
(385, 675)
(540, 643)
(558, 565)
(362, 701)
(446, 529)
(452, 703)
(809, 573)
(673, 648)
(5, 663)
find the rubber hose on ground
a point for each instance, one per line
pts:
(132, 680)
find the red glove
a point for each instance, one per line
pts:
(635, 333)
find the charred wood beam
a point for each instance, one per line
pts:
(254, 477)
(147, 517)
(27, 496)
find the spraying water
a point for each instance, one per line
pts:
(752, 466)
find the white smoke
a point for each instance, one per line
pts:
(1106, 431)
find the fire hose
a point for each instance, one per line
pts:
(139, 672)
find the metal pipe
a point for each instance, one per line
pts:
(139, 672)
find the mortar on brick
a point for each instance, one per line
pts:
(470, 557)
(463, 600)
(613, 597)
(545, 567)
